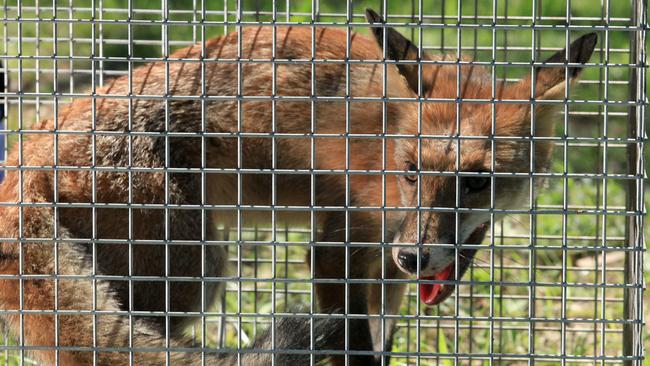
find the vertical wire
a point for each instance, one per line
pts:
(421, 97)
(641, 59)
(256, 237)
(38, 81)
(502, 226)
(255, 248)
(21, 193)
(204, 221)
(285, 287)
(348, 49)
(129, 65)
(604, 170)
(312, 178)
(418, 208)
(93, 80)
(164, 13)
(71, 85)
(457, 137)
(287, 231)
(493, 165)
(443, 13)
(100, 25)
(21, 180)
(384, 85)
(4, 127)
(598, 167)
(470, 271)
(274, 230)
(37, 61)
(565, 192)
(225, 17)
(4, 119)
(226, 237)
(239, 30)
(532, 253)
(101, 83)
(55, 193)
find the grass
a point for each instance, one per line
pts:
(510, 332)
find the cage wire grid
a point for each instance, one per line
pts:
(557, 282)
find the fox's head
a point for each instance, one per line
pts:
(452, 180)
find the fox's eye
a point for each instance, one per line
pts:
(410, 167)
(476, 184)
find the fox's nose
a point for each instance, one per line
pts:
(408, 259)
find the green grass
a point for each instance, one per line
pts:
(510, 266)
(509, 336)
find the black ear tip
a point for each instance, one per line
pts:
(590, 40)
(587, 43)
(372, 16)
(583, 47)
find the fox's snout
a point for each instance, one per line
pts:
(436, 256)
(427, 240)
(415, 257)
(407, 258)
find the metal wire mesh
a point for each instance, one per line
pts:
(557, 281)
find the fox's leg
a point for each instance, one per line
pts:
(332, 298)
(393, 294)
(330, 263)
(187, 261)
(191, 260)
(168, 243)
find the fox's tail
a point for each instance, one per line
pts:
(290, 342)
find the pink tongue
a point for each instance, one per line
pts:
(429, 291)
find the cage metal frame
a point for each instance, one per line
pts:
(633, 211)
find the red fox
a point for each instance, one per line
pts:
(153, 163)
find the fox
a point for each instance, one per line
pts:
(110, 211)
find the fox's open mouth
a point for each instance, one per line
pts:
(435, 293)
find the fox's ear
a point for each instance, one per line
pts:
(398, 48)
(550, 83)
(550, 80)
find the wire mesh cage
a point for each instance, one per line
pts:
(332, 164)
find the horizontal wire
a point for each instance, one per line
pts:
(422, 354)
(347, 24)
(341, 316)
(208, 12)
